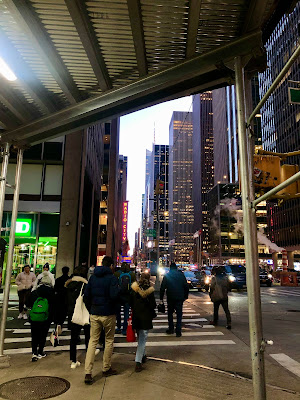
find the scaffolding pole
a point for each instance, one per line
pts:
(10, 250)
(3, 179)
(250, 240)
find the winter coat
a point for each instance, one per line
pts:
(176, 285)
(143, 307)
(102, 292)
(46, 292)
(125, 298)
(40, 277)
(73, 287)
(219, 287)
(25, 281)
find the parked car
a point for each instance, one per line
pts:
(191, 279)
(265, 277)
(236, 276)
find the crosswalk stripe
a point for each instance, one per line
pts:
(287, 362)
(150, 334)
(175, 343)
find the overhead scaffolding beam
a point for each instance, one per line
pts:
(184, 78)
(23, 12)
(83, 25)
(192, 30)
(255, 15)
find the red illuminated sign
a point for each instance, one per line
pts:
(124, 221)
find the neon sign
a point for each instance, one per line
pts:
(124, 221)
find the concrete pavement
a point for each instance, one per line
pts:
(159, 380)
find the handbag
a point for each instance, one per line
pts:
(161, 308)
(130, 333)
(81, 315)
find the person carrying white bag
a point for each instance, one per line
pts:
(78, 315)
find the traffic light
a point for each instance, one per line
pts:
(286, 172)
(159, 188)
(267, 171)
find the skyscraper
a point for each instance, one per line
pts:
(181, 208)
(203, 160)
(281, 124)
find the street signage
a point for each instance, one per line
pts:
(294, 95)
(151, 233)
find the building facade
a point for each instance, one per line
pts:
(181, 210)
(281, 124)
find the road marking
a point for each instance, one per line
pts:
(185, 320)
(287, 362)
(151, 334)
(174, 343)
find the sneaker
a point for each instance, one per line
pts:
(97, 352)
(110, 372)
(144, 359)
(88, 379)
(42, 355)
(169, 332)
(124, 333)
(75, 364)
(228, 327)
(118, 330)
(213, 322)
(20, 316)
(138, 367)
(34, 358)
(178, 334)
(25, 316)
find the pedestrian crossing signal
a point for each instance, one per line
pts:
(159, 188)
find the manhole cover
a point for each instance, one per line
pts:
(293, 310)
(34, 388)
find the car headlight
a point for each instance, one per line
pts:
(231, 278)
(270, 276)
(161, 270)
(189, 281)
(207, 280)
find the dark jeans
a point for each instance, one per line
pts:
(39, 332)
(224, 304)
(126, 307)
(174, 305)
(75, 332)
(23, 297)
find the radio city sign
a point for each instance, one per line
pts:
(124, 221)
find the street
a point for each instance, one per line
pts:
(203, 344)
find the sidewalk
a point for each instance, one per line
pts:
(159, 380)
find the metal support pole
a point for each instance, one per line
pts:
(250, 240)
(10, 250)
(274, 85)
(3, 179)
(157, 283)
(37, 236)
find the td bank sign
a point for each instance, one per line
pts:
(23, 227)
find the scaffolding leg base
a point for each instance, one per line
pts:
(4, 362)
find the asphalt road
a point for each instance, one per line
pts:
(204, 344)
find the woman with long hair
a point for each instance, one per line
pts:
(143, 311)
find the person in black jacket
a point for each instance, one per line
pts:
(177, 291)
(61, 306)
(39, 329)
(219, 294)
(101, 297)
(143, 311)
(74, 286)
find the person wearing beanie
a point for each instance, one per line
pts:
(143, 311)
(46, 268)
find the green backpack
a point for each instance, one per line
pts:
(40, 310)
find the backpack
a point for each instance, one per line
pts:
(125, 282)
(40, 310)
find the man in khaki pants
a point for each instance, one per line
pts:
(100, 296)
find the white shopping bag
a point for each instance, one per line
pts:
(81, 315)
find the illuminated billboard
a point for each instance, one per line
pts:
(124, 221)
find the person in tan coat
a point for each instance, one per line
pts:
(24, 281)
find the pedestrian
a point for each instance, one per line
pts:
(74, 286)
(219, 294)
(143, 311)
(61, 306)
(91, 271)
(41, 315)
(177, 291)
(24, 281)
(101, 297)
(46, 268)
(126, 278)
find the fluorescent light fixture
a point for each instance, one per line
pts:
(6, 71)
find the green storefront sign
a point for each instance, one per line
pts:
(294, 95)
(23, 227)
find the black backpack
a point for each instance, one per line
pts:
(125, 282)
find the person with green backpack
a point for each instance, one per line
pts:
(41, 315)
